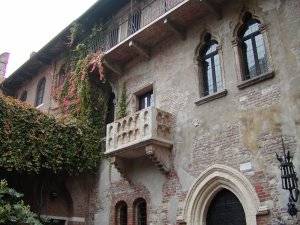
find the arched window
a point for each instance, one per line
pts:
(225, 208)
(134, 22)
(140, 212)
(209, 60)
(40, 92)
(23, 96)
(61, 77)
(252, 47)
(121, 213)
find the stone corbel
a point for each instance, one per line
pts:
(120, 165)
(213, 8)
(142, 50)
(113, 67)
(160, 156)
(175, 28)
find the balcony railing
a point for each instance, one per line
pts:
(134, 132)
(138, 16)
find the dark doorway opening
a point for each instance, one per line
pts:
(225, 209)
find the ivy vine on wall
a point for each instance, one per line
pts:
(32, 142)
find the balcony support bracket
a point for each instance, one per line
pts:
(213, 8)
(113, 67)
(121, 165)
(142, 51)
(160, 156)
(176, 28)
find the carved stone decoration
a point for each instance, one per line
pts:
(120, 165)
(146, 133)
(160, 156)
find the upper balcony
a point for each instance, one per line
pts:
(145, 133)
(139, 27)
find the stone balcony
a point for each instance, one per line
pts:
(146, 133)
(158, 20)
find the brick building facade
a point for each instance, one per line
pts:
(215, 121)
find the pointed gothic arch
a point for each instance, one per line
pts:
(212, 181)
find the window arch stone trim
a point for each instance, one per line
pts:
(197, 60)
(209, 183)
(236, 43)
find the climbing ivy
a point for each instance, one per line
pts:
(122, 103)
(32, 142)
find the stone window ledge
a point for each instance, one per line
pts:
(255, 80)
(211, 97)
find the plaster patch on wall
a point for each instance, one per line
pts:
(254, 123)
(172, 210)
(185, 179)
(246, 167)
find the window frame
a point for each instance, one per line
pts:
(202, 57)
(134, 18)
(252, 37)
(136, 205)
(147, 96)
(238, 53)
(40, 92)
(113, 36)
(135, 101)
(23, 96)
(118, 209)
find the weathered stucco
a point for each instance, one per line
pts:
(245, 126)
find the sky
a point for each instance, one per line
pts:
(27, 25)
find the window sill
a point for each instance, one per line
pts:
(211, 97)
(255, 80)
(39, 106)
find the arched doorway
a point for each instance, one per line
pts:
(204, 192)
(225, 209)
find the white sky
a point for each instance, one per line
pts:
(27, 25)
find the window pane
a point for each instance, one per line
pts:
(141, 213)
(134, 22)
(218, 72)
(250, 58)
(251, 29)
(23, 97)
(210, 85)
(113, 37)
(211, 49)
(261, 53)
(146, 100)
(40, 92)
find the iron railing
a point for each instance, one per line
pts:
(121, 27)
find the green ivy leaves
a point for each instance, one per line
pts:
(31, 141)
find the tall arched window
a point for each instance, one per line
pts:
(252, 47)
(40, 91)
(224, 209)
(140, 212)
(134, 22)
(23, 96)
(121, 213)
(209, 60)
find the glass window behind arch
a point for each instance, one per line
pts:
(254, 51)
(212, 69)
